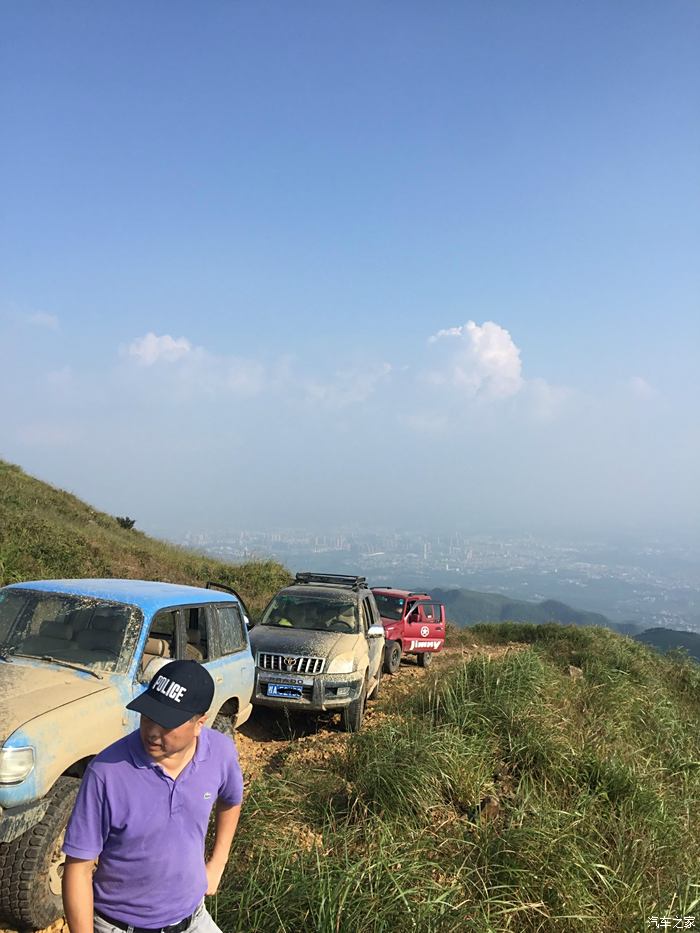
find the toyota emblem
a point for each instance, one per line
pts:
(289, 663)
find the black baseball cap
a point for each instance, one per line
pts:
(176, 693)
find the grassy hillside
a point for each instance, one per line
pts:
(468, 607)
(513, 793)
(46, 533)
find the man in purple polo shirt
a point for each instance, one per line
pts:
(143, 810)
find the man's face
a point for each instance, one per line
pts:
(161, 743)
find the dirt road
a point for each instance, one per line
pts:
(266, 740)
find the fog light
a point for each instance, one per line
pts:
(343, 691)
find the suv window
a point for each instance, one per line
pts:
(231, 627)
(332, 613)
(74, 629)
(197, 646)
(391, 607)
(366, 615)
(164, 628)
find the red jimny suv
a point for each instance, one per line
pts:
(414, 624)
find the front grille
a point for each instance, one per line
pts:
(289, 663)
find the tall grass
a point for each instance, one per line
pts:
(507, 796)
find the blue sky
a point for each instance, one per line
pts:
(273, 264)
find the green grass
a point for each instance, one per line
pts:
(46, 533)
(598, 786)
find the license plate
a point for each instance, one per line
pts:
(290, 691)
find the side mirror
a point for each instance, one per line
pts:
(248, 623)
(375, 631)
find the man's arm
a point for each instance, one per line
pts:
(225, 823)
(77, 894)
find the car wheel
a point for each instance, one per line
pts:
(353, 714)
(224, 723)
(32, 865)
(392, 657)
(425, 659)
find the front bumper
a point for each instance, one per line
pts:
(319, 693)
(17, 820)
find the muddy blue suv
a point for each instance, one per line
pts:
(73, 653)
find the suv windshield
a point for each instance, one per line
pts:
(390, 607)
(77, 630)
(318, 613)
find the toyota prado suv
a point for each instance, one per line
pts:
(319, 647)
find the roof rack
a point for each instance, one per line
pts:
(333, 579)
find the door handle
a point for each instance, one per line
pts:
(219, 679)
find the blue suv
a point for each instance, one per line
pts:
(73, 653)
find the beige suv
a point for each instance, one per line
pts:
(319, 646)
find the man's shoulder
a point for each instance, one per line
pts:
(220, 745)
(117, 752)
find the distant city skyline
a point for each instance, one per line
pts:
(645, 582)
(396, 265)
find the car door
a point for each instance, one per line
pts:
(413, 625)
(369, 615)
(229, 659)
(432, 623)
(164, 643)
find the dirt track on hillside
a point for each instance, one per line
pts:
(269, 737)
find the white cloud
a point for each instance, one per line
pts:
(348, 387)
(546, 402)
(486, 362)
(198, 372)
(151, 349)
(243, 377)
(641, 389)
(41, 319)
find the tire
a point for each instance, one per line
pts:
(353, 714)
(425, 659)
(31, 867)
(224, 723)
(375, 693)
(392, 657)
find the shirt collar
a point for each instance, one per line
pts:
(202, 751)
(137, 751)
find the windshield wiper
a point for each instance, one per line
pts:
(75, 667)
(6, 651)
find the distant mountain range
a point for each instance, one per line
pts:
(665, 639)
(469, 607)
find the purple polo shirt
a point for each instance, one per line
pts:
(148, 830)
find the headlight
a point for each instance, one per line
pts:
(15, 764)
(341, 666)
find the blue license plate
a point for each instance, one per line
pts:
(291, 691)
